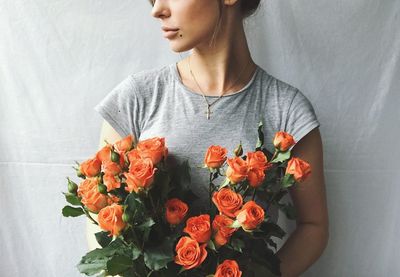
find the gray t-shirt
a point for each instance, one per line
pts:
(155, 102)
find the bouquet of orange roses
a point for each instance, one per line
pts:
(142, 206)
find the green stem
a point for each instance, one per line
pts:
(245, 191)
(254, 194)
(209, 189)
(88, 215)
(152, 204)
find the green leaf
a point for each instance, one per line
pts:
(237, 244)
(211, 245)
(260, 269)
(272, 243)
(135, 252)
(288, 180)
(72, 199)
(225, 183)
(281, 157)
(260, 140)
(159, 256)
(92, 267)
(271, 229)
(118, 264)
(263, 260)
(134, 207)
(103, 239)
(289, 210)
(145, 228)
(96, 260)
(71, 211)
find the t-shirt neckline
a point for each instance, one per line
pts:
(174, 67)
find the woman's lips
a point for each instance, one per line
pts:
(170, 34)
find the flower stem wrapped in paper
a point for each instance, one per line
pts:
(143, 209)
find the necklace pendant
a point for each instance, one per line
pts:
(208, 112)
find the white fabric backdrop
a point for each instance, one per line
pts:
(59, 58)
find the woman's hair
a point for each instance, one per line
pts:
(247, 7)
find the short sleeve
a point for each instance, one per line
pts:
(301, 117)
(120, 108)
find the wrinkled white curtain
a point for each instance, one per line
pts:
(59, 58)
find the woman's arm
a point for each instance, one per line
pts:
(306, 244)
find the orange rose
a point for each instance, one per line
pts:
(124, 144)
(176, 210)
(250, 216)
(199, 228)
(90, 167)
(189, 253)
(299, 168)
(215, 156)
(104, 154)
(111, 182)
(227, 201)
(110, 219)
(153, 148)
(257, 160)
(222, 232)
(140, 176)
(255, 177)
(237, 169)
(111, 168)
(283, 141)
(133, 155)
(229, 268)
(91, 197)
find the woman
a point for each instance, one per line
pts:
(217, 95)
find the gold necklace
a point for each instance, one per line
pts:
(208, 112)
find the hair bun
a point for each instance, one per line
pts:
(248, 7)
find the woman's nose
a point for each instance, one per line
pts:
(160, 9)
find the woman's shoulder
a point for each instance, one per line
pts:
(150, 80)
(276, 86)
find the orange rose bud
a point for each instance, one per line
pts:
(124, 144)
(110, 219)
(257, 160)
(229, 268)
(90, 167)
(153, 148)
(199, 228)
(250, 216)
(238, 150)
(222, 231)
(227, 201)
(72, 186)
(237, 170)
(111, 182)
(176, 210)
(255, 177)
(215, 156)
(283, 141)
(91, 197)
(140, 176)
(189, 253)
(104, 154)
(299, 168)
